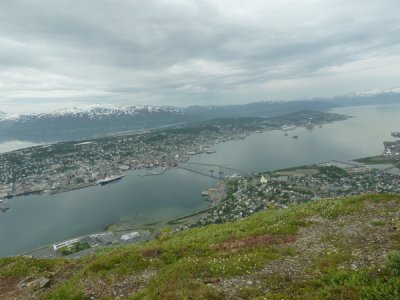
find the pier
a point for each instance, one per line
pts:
(210, 170)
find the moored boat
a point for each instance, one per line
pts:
(288, 127)
(109, 179)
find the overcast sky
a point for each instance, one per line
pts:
(56, 53)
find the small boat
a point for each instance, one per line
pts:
(288, 127)
(295, 137)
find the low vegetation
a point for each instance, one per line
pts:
(328, 249)
(371, 160)
(74, 248)
(333, 172)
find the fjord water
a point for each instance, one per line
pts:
(38, 220)
(360, 136)
(6, 146)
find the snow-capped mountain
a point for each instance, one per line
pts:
(97, 110)
(86, 121)
(8, 117)
(375, 92)
(368, 97)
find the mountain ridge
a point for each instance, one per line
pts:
(87, 121)
(108, 108)
(99, 120)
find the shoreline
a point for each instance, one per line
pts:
(184, 158)
(155, 227)
(216, 142)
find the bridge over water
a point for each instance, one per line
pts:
(211, 170)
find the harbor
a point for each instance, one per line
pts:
(74, 165)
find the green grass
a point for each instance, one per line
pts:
(13, 267)
(329, 261)
(396, 240)
(378, 223)
(371, 283)
(184, 260)
(333, 172)
(68, 291)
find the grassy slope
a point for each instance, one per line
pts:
(331, 249)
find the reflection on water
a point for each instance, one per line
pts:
(356, 137)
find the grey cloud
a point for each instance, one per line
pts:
(184, 52)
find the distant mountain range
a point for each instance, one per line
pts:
(87, 121)
(369, 97)
(376, 92)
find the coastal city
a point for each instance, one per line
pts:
(238, 196)
(175, 150)
(246, 195)
(72, 165)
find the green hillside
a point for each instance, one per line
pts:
(328, 249)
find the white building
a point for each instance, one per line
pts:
(263, 179)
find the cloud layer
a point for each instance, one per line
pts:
(184, 52)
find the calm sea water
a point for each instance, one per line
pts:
(38, 220)
(353, 138)
(6, 146)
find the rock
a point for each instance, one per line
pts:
(24, 282)
(29, 282)
(43, 282)
(38, 283)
